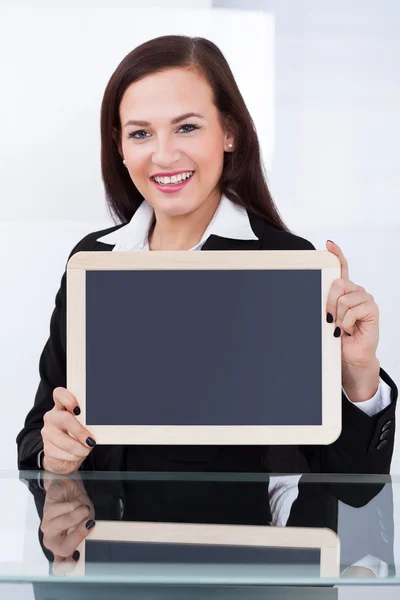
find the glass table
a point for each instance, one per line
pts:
(195, 535)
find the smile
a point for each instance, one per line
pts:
(174, 183)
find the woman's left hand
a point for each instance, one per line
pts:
(356, 314)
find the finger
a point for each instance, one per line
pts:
(349, 301)
(54, 452)
(65, 442)
(69, 423)
(362, 312)
(66, 546)
(65, 400)
(62, 523)
(62, 490)
(335, 249)
(338, 288)
(52, 511)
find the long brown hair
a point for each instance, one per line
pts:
(242, 179)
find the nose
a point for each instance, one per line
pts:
(166, 153)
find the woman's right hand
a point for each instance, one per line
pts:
(66, 443)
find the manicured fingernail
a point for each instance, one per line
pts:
(77, 410)
(90, 442)
(90, 524)
(330, 241)
(76, 555)
(336, 333)
(329, 318)
(349, 334)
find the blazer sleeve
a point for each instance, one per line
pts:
(365, 444)
(52, 372)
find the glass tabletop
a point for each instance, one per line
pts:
(190, 528)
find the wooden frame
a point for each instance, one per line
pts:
(323, 539)
(324, 261)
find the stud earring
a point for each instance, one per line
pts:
(230, 145)
(124, 162)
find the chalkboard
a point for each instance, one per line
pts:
(131, 552)
(168, 547)
(204, 348)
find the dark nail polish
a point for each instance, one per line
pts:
(329, 318)
(76, 555)
(90, 442)
(330, 241)
(77, 410)
(90, 524)
(349, 334)
(336, 333)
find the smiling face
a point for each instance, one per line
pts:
(159, 138)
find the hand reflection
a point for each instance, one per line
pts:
(68, 515)
(358, 572)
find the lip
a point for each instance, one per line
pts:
(175, 187)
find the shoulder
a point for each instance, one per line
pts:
(89, 242)
(275, 239)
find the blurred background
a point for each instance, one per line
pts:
(321, 80)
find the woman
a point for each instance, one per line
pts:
(182, 171)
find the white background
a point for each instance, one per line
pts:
(329, 127)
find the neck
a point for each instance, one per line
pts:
(182, 232)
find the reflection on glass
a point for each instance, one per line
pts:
(177, 526)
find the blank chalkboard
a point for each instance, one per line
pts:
(172, 347)
(130, 552)
(170, 546)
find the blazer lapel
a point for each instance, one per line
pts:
(214, 242)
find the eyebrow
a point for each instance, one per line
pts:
(173, 122)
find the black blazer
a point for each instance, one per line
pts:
(355, 451)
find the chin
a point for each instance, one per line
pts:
(175, 207)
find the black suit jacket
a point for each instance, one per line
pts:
(355, 451)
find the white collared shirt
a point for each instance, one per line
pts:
(229, 221)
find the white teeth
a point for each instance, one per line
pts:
(174, 179)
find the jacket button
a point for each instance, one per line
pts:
(386, 425)
(385, 434)
(381, 445)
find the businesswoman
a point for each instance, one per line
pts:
(181, 168)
